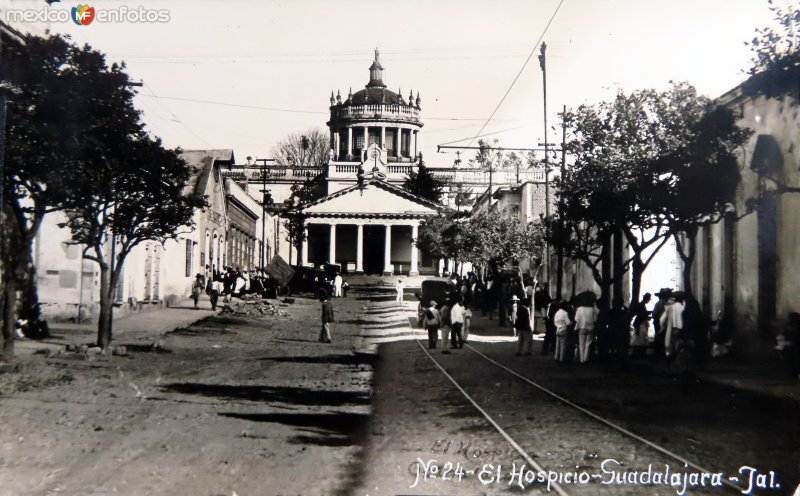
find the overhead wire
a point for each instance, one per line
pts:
(518, 73)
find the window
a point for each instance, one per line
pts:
(189, 244)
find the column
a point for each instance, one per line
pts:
(397, 143)
(360, 249)
(414, 270)
(366, 139)
(387, 252)
(349, 143)
(332, 248)
(336, 140)
(416, 133)
(383, 136)
(304, 258)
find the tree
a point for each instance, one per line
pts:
(703, 175)
(776, 56)
(308, 149)
(422, 183)
(48, 117)
(615, 181)
(492, 239)
(123, 187)
(311, 189)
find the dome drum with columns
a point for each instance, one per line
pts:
(375, 115)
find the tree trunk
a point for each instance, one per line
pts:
(559, 271)
(106, 308)
(688, 254)
(29, 304)
(605, 267)
(637, 270)
(9, 318)
(619, 273)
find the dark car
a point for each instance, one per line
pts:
(437, 289)
(307, 280)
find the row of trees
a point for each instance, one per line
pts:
(75, 144)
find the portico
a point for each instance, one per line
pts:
(368, 230)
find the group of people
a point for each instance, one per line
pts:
(453, 320)
(230, 282)
(618, 331)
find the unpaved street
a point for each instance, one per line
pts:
(252, 404)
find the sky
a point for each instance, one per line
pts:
(243, 74)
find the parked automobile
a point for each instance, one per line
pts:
(437, 289)
(307, 280)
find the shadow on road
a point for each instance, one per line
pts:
(324, 429)
(353, 359)
(292, 395)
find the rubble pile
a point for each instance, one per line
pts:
(253, 307)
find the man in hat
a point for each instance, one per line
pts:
(658, 311)
(327, 317)
(444, 315)
(432, 321)
(457, 324)
(512, 314)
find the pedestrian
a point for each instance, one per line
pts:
(658, 310)
(399, 288)
(618, 329)
(457, 325)
(512, 313)
(216, 290)
(197, 289)
(641, 326)
(467, 321)
(431, 322)
(585, 318)
(522, 324)
(444, 314)
(561, 321)
(337, 285)
(327, 317)
(549, 343)
(345, 287)
(672, 321)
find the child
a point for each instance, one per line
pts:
(327, 317)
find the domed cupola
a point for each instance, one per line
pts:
(376, 72)
(374, 115)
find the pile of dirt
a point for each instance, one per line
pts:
(254, 308)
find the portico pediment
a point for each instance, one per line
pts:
(377, 197)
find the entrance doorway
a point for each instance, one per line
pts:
(374, 242)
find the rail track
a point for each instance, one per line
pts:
(527, 451)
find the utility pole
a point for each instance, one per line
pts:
(560, 266)
(543, 65)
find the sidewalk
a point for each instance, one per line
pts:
(759, 376)
(132, 327)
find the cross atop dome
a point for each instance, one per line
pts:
(376, 72)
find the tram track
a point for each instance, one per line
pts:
(600, 424)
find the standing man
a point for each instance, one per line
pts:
(561, 320)
(658, 310)
(399, 287)
(457, 323)
(216, 290)
(444, 315)
(585, 318)
(337, 285)
(327, 318)
(512, 314)
(431, 321)
(197, 288)
(641, 326)
(549, 343)
(522, 325)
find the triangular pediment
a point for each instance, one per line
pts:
(377, 197)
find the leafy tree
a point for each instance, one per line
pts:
(422, 183)
(120, 187)
(776, 56)
(311, 189)
(614, 181)
(437, 236)
(492, 240)
(46, 80)
(308, 149)
(703, 175)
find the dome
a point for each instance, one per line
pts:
(375, 95)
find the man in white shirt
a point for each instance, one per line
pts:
(457, 324)
(399, 287)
